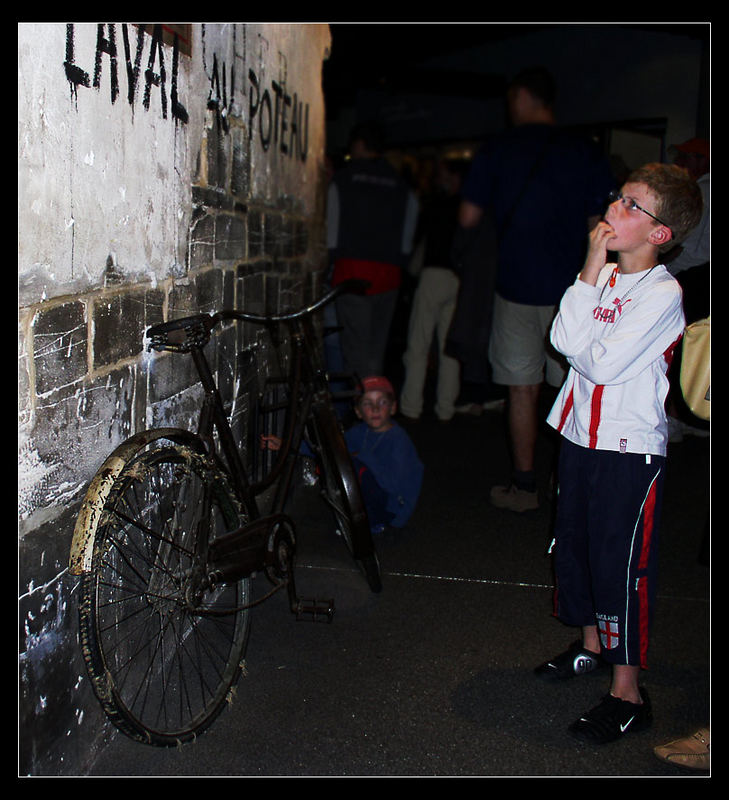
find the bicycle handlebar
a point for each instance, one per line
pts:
(194, 331)
(352, 286)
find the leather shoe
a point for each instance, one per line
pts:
(692, 752)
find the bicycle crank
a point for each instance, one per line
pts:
(267, 544)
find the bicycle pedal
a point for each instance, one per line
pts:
(318, 610)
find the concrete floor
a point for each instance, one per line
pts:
(433, 677)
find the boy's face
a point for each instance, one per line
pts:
(633, 227)
(376, 409)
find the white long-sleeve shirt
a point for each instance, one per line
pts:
(618, 342)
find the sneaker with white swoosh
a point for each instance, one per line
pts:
(612, 718)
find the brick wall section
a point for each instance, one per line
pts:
(87, 383)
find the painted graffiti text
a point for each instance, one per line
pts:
(282, 122)
(155, 74)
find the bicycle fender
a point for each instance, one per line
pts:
(92, 506)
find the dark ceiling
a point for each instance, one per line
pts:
(387, 56)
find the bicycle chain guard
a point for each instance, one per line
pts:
(265, 544)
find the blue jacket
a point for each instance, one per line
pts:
(394, 462)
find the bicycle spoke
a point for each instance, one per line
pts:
(170, 666)
(151, 533)
(205, 689)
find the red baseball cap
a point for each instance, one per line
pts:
(699, 147)
(377, 383)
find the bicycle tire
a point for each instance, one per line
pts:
(342, 492)
(161, 670)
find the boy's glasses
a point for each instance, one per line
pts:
(631, 205)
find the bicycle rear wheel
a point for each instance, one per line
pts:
(161, 665)
(342, 492)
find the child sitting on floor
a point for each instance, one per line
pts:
(389, 469)
(384, 457)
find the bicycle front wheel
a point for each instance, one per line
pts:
(342, 492)
(161, 665)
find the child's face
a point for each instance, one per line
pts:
(634, 227)
(376, 409)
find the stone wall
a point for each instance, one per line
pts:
(162, 171)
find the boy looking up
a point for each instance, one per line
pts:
(617, 326)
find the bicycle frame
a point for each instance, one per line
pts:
(267, 542)
(308, 384)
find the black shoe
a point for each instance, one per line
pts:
(574, 661)
(613, 718)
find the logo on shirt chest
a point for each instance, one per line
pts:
(603, 314)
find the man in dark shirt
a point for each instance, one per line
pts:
(545, 189)
(371, 217)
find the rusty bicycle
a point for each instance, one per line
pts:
(175, 531)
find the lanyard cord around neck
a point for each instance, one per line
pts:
(613, 279)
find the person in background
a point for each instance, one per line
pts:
(388, 466)
(435, 300)
(371, 218)
(545, 188)
(389, 470)
(690, 265)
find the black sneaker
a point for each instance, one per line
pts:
(613, 718)
(574, 661)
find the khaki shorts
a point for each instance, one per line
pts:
(519, 349)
